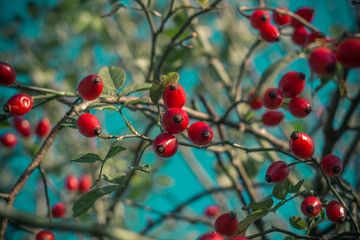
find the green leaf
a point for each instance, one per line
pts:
(114, 9)
(137, 87)
(5, 124)
(266, 204)
(144, 168)
(322, 213)
(115, 150)
(157, 89)
(100, 106)
(296, 188)
(87, 158)
(118, 179)
(202, 2)
(250, 219)
(282, 189)
(139, 100)
(113, 79)
(298, 223)
(87, 200)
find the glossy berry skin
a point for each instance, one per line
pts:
(239, 238)
(174, 96)
(19, 104)
(301, 145)
(281, 19)
(259, 19)
(45, 235)
(85, 183)
(291, 84)
(88, 125)
(300, 36)
(311, 206)
(272, 118)
(43, 128)
(90, 87)
(58, 210)
(22, 125)
(299, 107)
(336, 212)
(227, 224)
(272, 98)
(175, 120)
(270, 33)
(165, 145)
(212, 210)
(7, 74)
(313, 36)
(211, 236)
(200, 133)
(322, 61)
(9, 140)
(277, 172)
(331, 165)
(305, 12)
(71, 183)
(348, 53)
(255, 103)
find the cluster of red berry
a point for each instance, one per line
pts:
(82, 185)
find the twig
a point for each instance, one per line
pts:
(43, 176)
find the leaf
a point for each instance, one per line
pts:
(113, 79)
(322, 213)
(87, 200)
(282, 189)
(266, 204)
(144, 168)
(137, 87)
(118, 179)
(115, 150)
(296, 188)
(114, 9)
(87, 158)
(202, 2)
(134, 102)
(274, 69)
(100, 106)
(298, 223)
(157, 89)
(250, 219)
(5, 124)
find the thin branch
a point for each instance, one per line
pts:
(43, 176)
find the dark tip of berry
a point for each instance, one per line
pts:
(96, 80)
(331, 68)
(311, 9)
(336, 169)
(205, 134)
(309, 209)
(308, 109)
(173, 86)
(178, 118)
(302, 76)
(6, 108)
(160, 148)
(277, 38)
(341, 219)
(268, 178)
(232, 215)
(272, 94)
(294, 135)
(97, 130)
(264, 18)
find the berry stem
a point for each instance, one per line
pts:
(43, 176)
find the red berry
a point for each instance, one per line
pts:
(200, 133)
(270, 33)
(301, 145)
(272, 118)
(259, 19)
(291, 84)
(331, 165)
(272, 98)
(277, 172)
(85, 183)
(174, 96)
(305, 12)
(255, 103)
(165, 145)
(336, 212)
(175, 120)
(348, 53)
(211, 236)
(71, 183)
(22, 125)
(212, 210)
(19, 104)
(281, 19)
(313, 36)
(9, 140)
(7, 74)
(88, 125)
(300, 36)
(43, 128)
(239, 238)
(58, 210)
(311, 206)
(90, 87)
(45, 235)
(322, 61)
(299, 107)
(227, 224)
